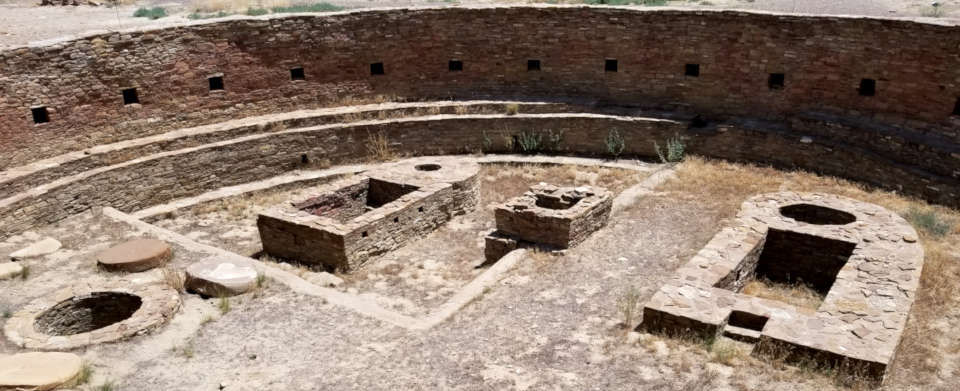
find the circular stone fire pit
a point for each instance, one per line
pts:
(87, 315)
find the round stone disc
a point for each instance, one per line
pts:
(38, 371)
(216, 277)
(135, 256)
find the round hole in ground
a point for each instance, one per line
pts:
(815, 214)
(81, 314)
(427, 167)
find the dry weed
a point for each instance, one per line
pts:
(378, 146)
(174, 278)
(797, 294)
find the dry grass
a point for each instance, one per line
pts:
(378, 146)
(925, 347)
(174, 278)
(799, 295)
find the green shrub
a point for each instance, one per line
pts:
(615, 143)
(151, 13)
(675, 150)
(257, 11)
(530, 142)
(929, 222)
(316, 7)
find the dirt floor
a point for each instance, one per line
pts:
(553, 322)
(23, 21)
(418, 277)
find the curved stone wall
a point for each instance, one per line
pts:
(823, 59)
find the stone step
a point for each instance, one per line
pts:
(741, 334)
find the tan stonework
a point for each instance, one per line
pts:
(860, 322)
(359, 218)
(550, 217)
(158, 305)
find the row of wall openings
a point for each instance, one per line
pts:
(776, 81)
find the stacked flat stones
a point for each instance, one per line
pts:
(135, 256)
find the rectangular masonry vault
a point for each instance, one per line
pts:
(351, 221)
(864, 260)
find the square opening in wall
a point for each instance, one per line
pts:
(455, 65)
(353, 201)
(775, 82)
(40, 115)
(216, 83)
(956, 107)
(297, 74)
(797, 260)
(130, 96)
(533, 65)
(868, 87)
(610, 65)
(691, 70)
(376, 68)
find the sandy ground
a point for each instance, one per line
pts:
(23, 22)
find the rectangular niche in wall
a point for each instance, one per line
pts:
(610, 65)
(533, 65)
(796, 258)
(956, 107)
(40, 115)
(455, 65)
(130, 96)
(216, 83)
(776, 80)
(868, 87)
(376, 68)
(297, 74)
(692, 70)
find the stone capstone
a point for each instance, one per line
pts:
(135, 256)
(43, 247)
(39, 371)
(215, 277)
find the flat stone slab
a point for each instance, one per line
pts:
(10, 270)
(864, 259)
(43, 247)
(39, 371)
(135, 256)
(216, 277)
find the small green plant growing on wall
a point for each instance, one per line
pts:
(487, 142)
(615, 143)
(530, 142)
(554, 140)
(674, 151)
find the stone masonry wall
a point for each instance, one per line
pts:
(915, 65)
(160, 178)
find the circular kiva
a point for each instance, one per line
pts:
(86, 315)
(39, 370)
(216, 277)
(135, 255)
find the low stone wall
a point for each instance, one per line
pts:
(159, 178)
(353, 221)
